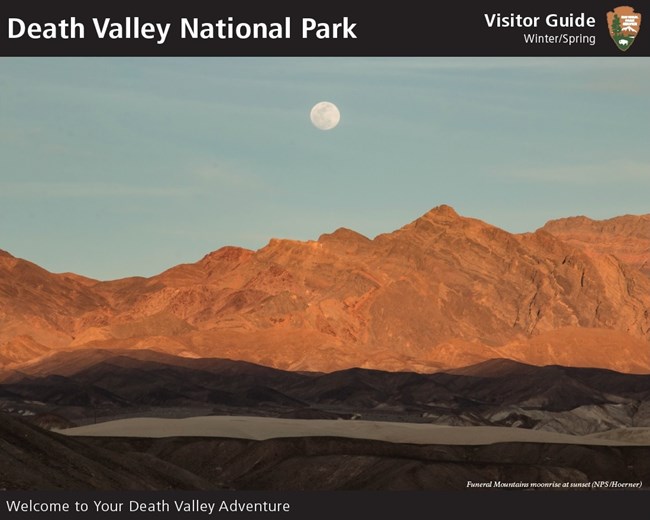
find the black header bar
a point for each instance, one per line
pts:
(405, 28)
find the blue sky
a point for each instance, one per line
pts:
(113, 167)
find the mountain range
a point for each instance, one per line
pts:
(442, 292)
(83, 387)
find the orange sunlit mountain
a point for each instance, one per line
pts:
(442, 292)
(626, 237)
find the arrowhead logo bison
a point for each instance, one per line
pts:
(624, 25)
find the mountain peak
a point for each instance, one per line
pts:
(578, 219)
(7, 260)
(625, 224)
(442, 211)
(228, 254)
(343, 235)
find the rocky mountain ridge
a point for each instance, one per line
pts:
(442, 292)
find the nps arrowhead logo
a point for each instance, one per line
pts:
(624, 25)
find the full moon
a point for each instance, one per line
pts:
(325, 115)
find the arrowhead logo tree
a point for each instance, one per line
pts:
(624, 25)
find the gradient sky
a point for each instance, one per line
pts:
(113, 167)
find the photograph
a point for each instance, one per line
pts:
(327, 273)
